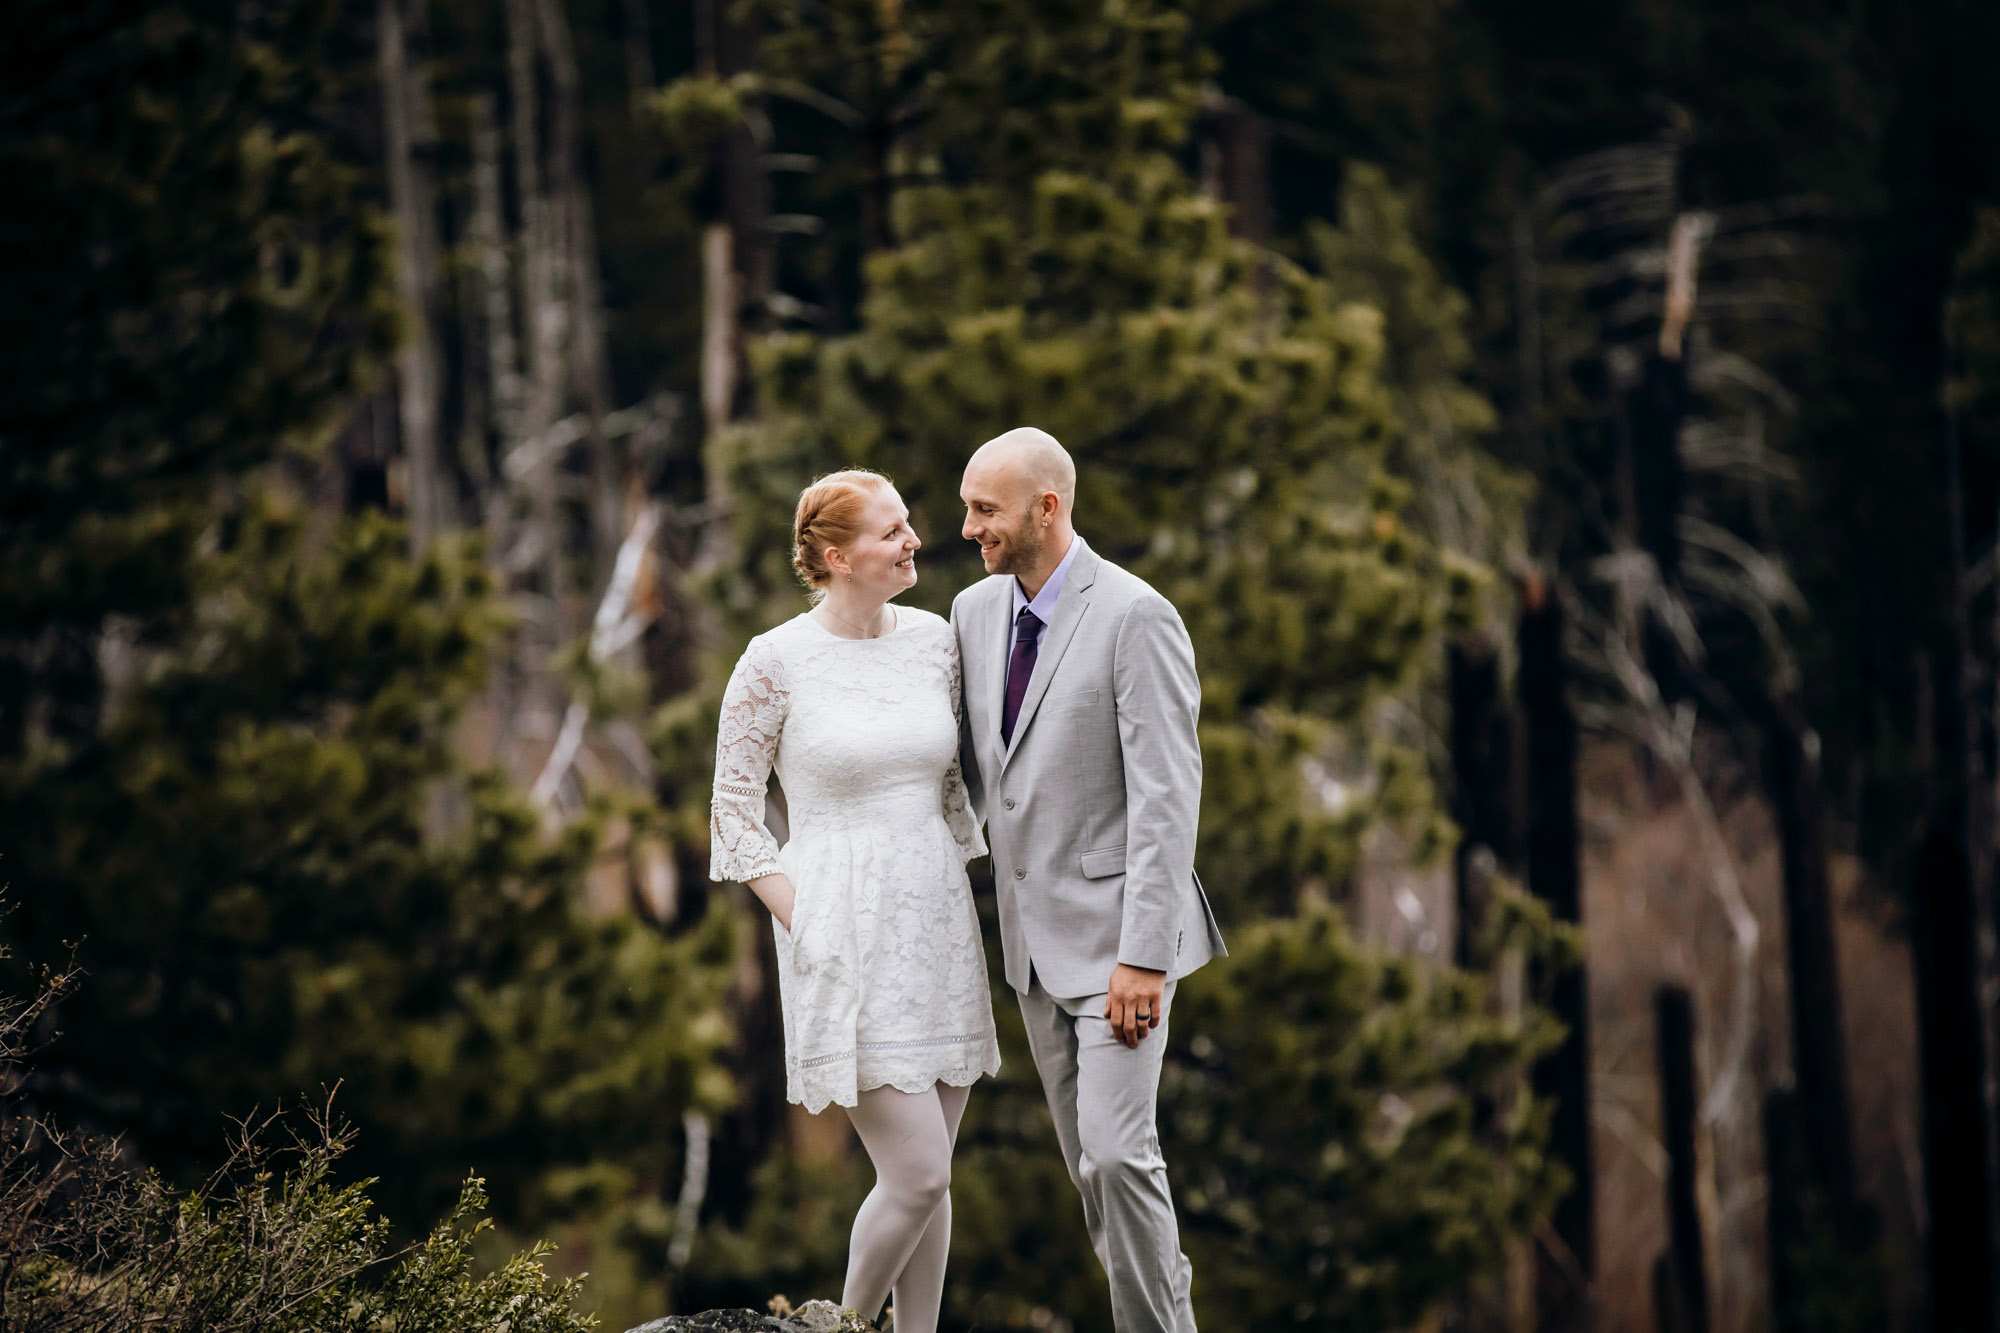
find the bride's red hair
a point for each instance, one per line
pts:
(829, 514)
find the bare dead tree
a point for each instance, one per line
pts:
(409, 144)
(487, 237)
(1955, 952)
(534, 457)
(1565, 1266)
(1612, 269)
(616, 627)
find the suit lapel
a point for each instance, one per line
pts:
(1075, 600)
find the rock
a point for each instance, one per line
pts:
(826, 1317)
(812, 1317)
(716, 1321)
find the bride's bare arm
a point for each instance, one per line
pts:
(775, 892)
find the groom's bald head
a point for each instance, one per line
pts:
(1027, 461)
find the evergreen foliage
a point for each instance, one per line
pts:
(230, 771)
(306, 888)
(1289, 453)
(1227, 408)
(1355, 1136)
(195, 280)
(230, 726)
(271, 1241)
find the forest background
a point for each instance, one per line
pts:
(1571, 434)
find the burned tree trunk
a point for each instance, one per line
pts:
(1680, 1280)
(1652, 478)
(1955, 1157)
(1554, 875)
(1952, 948)
(1822, 1105)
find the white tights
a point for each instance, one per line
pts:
(902, 1235)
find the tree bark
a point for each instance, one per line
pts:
(1479, 762)
(1955, 1158)
(1680, 1281)
(739, 186)
(409, 141)
(488, 234)
(640, 78)
(589, 378)
(1819, 1059)
(1952, 941)
(545, 328)
(719, 333)
(1562, 1287)
(1236, 164)
(1653, 483)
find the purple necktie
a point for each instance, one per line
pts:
(1020, 666)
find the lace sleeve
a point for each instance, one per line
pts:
(958, 812)
(746, 742)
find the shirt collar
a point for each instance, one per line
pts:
(1044, 604)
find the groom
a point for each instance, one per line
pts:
(1078, 748)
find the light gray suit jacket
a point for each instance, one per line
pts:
(1091, 811)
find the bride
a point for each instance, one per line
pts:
(880, 970)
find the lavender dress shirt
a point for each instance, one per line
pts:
(1044, 603)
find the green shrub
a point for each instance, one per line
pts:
(271, 1241)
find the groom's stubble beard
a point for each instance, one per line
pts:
(1022, 549)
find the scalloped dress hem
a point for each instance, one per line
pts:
(910, 1083)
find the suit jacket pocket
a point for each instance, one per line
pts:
(1104, 862)
(1057, 702)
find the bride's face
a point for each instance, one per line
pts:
(883, 555)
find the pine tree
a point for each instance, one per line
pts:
(1239, 420)
(229, 764)
(1226, 408)
(194, 282)
(281, 879)
(1347, 1166)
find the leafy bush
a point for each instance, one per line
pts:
(271, 1241)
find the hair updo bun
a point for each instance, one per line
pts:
(829, 514)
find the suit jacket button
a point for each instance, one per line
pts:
(1008, 802)
(1020, 873)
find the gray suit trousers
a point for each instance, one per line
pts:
(1102, 1095)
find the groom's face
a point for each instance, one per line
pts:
(1000, 516)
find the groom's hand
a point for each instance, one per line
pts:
(1133, 1002)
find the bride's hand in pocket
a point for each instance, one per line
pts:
(776, 892)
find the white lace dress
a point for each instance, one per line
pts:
(882, 977)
